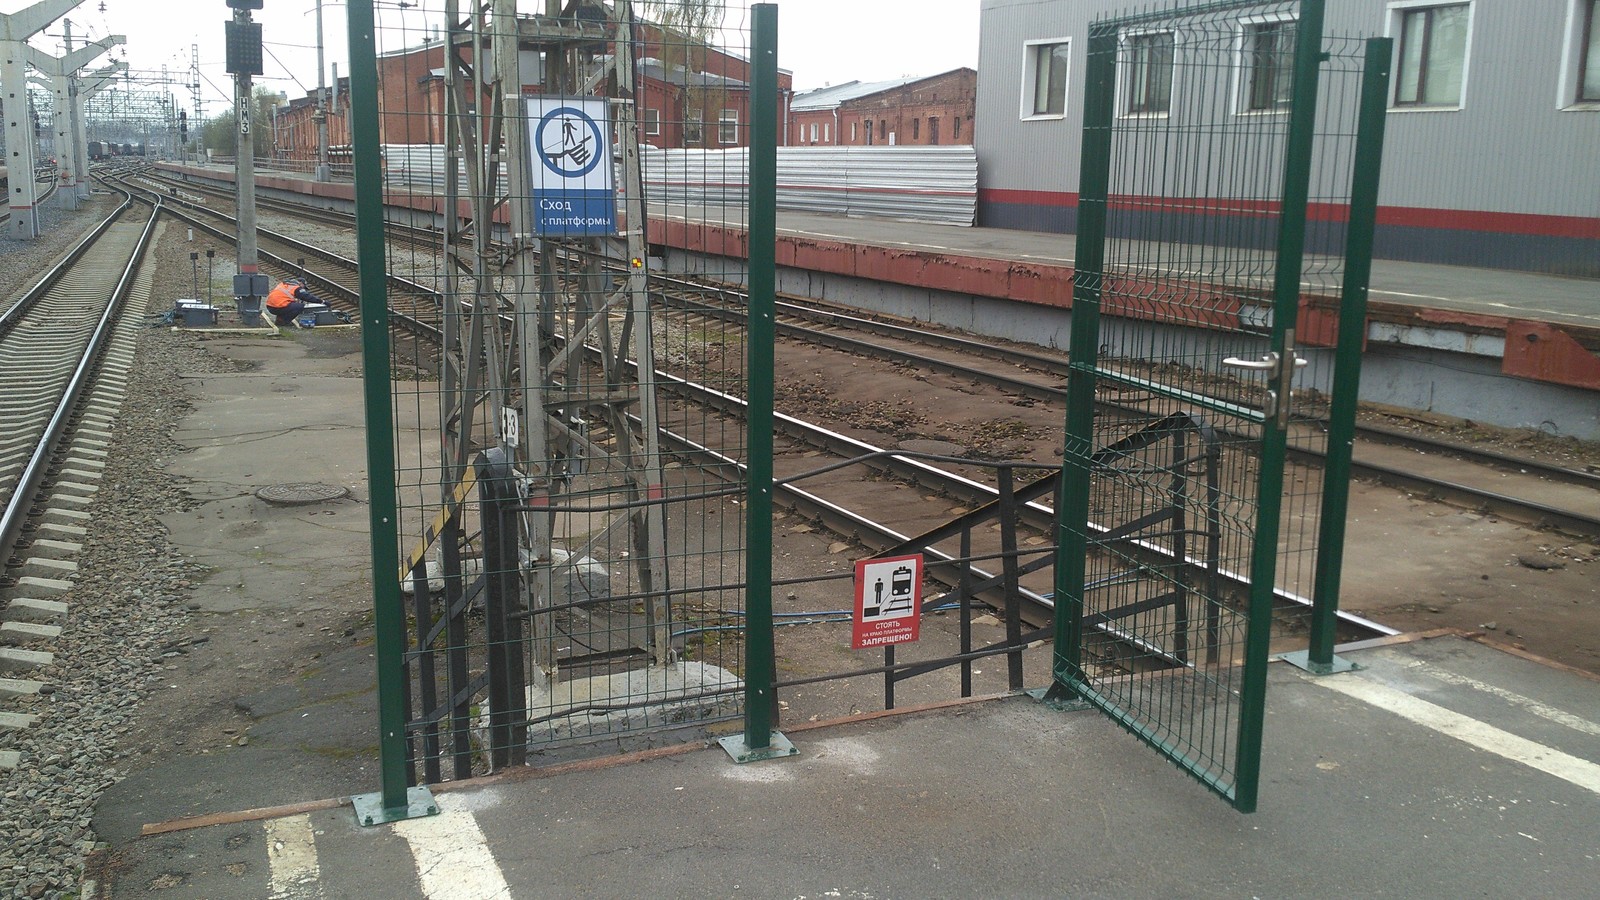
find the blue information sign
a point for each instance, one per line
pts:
(573, 186)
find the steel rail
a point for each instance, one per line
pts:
(1055, 366)
(1517, 509)
(19, 506)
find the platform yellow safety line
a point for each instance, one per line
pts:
(436, 527)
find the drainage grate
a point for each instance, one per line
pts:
(302, 494)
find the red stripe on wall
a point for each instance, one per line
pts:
(1498, 222)
(1401, 216)
(1030, 198)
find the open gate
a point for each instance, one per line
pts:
(1223, 240)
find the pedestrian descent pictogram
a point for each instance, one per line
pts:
(572, 183)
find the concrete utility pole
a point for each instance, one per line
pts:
(72, 152)
(322, 106)
(15, 29)
(244, 59)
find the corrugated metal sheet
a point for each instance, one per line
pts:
(421, 167)
(916, 184)
(919, 184)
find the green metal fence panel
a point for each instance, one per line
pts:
(563, 545)
(1214, 193)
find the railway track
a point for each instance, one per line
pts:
(65, 350)
(1519, 489)
(1022, 373)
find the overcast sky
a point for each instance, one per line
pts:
(820, 41)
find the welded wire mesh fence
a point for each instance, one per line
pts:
(1203, 257)
(569, 516)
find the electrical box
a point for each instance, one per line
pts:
(193, 313)
(257, 285)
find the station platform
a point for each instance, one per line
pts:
(1442, 767)
(1540, 328)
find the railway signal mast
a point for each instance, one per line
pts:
(244, 60)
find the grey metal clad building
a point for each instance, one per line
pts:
(1493, 140)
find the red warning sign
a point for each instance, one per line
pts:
(888, 601)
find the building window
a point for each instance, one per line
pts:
(728, 127)
(827, 133)
(1269, 60)
(652, 121)
(1588, 16)
(916, 129)
(955, 129)
(692, 126)
(869, 132)
(813, 133)
(853, 131)
(933, 130)
(1044, 79)
(1431, 55)
(1148, 73)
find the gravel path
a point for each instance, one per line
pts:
(125, 609)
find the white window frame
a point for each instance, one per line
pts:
(1125, 70)
(1572, 50)
(813, 138)
(853, 131)
(652, 122)
(1393, 14)
(1030, 78)
(728, 118)
(1243, 62)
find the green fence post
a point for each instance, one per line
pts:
(1094, 181)
(394, 801)
(1318, 657)
(1274, 433)
(760, 740)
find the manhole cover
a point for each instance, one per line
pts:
(302, 494)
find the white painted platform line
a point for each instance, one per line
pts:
(1538, 708)
(292, 859)
(1466, 729)
(452, 858)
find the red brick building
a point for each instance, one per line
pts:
(936, 110)
(690, 96)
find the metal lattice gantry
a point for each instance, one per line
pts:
(524, 318)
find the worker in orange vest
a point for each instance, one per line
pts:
(289, 299)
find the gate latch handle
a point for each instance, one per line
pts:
(1280, 371)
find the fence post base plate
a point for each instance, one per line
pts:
(1058, 698)
(778, 747)
(371, 811)
(1301, 659)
